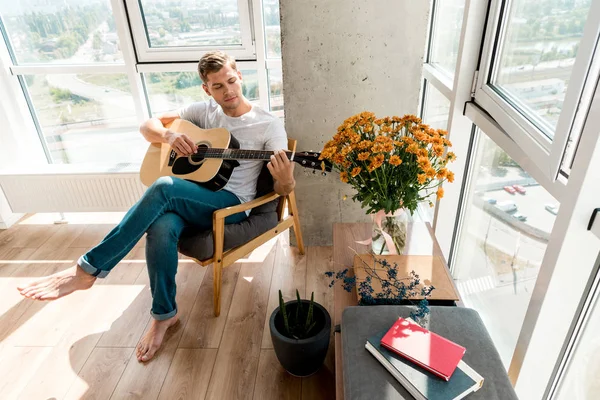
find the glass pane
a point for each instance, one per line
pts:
(191, 23)
(87, 118)
(171, 90)
(276, 87)
(272, 30)
(447, 26)
(581, 378)
(536, 58)
(57, 31)
(507, 223)
(436, 109)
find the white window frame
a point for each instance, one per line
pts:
(539, 343)
(546, 153)
(146, 53)
(133, 67)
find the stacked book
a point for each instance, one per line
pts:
(429, 366)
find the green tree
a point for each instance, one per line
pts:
(97, 42)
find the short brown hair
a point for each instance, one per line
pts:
(213, 62)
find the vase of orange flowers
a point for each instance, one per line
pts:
(393, 163)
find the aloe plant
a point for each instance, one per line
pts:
(300, 325)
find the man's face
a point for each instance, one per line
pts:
(225, 87)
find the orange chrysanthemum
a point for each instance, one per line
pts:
(395, 160)
(344, 176)
(363, 156)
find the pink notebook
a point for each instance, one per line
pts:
(436, 354)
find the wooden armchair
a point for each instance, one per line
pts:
(222, 258)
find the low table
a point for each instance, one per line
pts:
(420, 241)
(365, 378)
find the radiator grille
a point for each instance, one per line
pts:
(71, 192)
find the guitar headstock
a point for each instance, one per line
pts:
(309, 159)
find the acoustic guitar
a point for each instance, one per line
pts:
(215, 159)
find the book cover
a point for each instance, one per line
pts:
(421, 384)
(427, 349)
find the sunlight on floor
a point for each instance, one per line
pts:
(261, 253)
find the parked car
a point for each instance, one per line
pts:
(553, 208)
(489, 200)
(519, 189)
(520, 217)
(510, 189)
(506, 206)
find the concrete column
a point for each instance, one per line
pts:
(341, 58)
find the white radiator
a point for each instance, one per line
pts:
(55, 191)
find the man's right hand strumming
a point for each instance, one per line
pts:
(181, 143)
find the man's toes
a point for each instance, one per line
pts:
(149, 353)
(30, 293)
(46, 295)
(27, 290)
(141, 350)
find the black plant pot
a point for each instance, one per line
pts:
(301, 357)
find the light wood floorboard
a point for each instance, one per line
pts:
(82, 346)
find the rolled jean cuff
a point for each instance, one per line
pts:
(90, 269)
(162, 317)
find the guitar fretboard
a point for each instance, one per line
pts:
(238, 154)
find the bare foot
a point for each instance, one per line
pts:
(58, 285)
(152, 340)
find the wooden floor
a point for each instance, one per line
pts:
(82, 346)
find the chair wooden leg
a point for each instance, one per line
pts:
(217, 270)
(219, 238)
(297, 230)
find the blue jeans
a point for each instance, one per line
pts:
(168, 206)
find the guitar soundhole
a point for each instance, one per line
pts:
(198, 158)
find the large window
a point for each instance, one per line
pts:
(445, 36)
(52, 32)
(182, 29)
(84, 116)
(92, 70)
(536, 57)
(507, 223)
(537, 62)
(436, 108)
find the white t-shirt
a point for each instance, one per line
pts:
(255, 130)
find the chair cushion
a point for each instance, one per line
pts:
(199, 244)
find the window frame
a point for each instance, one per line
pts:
(146, 53)
(545, 152)
(134, 68)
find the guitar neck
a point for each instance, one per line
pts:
(239, 154)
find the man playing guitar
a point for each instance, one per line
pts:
(171, 203)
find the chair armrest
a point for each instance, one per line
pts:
(225, 212)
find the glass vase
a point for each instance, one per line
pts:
(389, 231)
